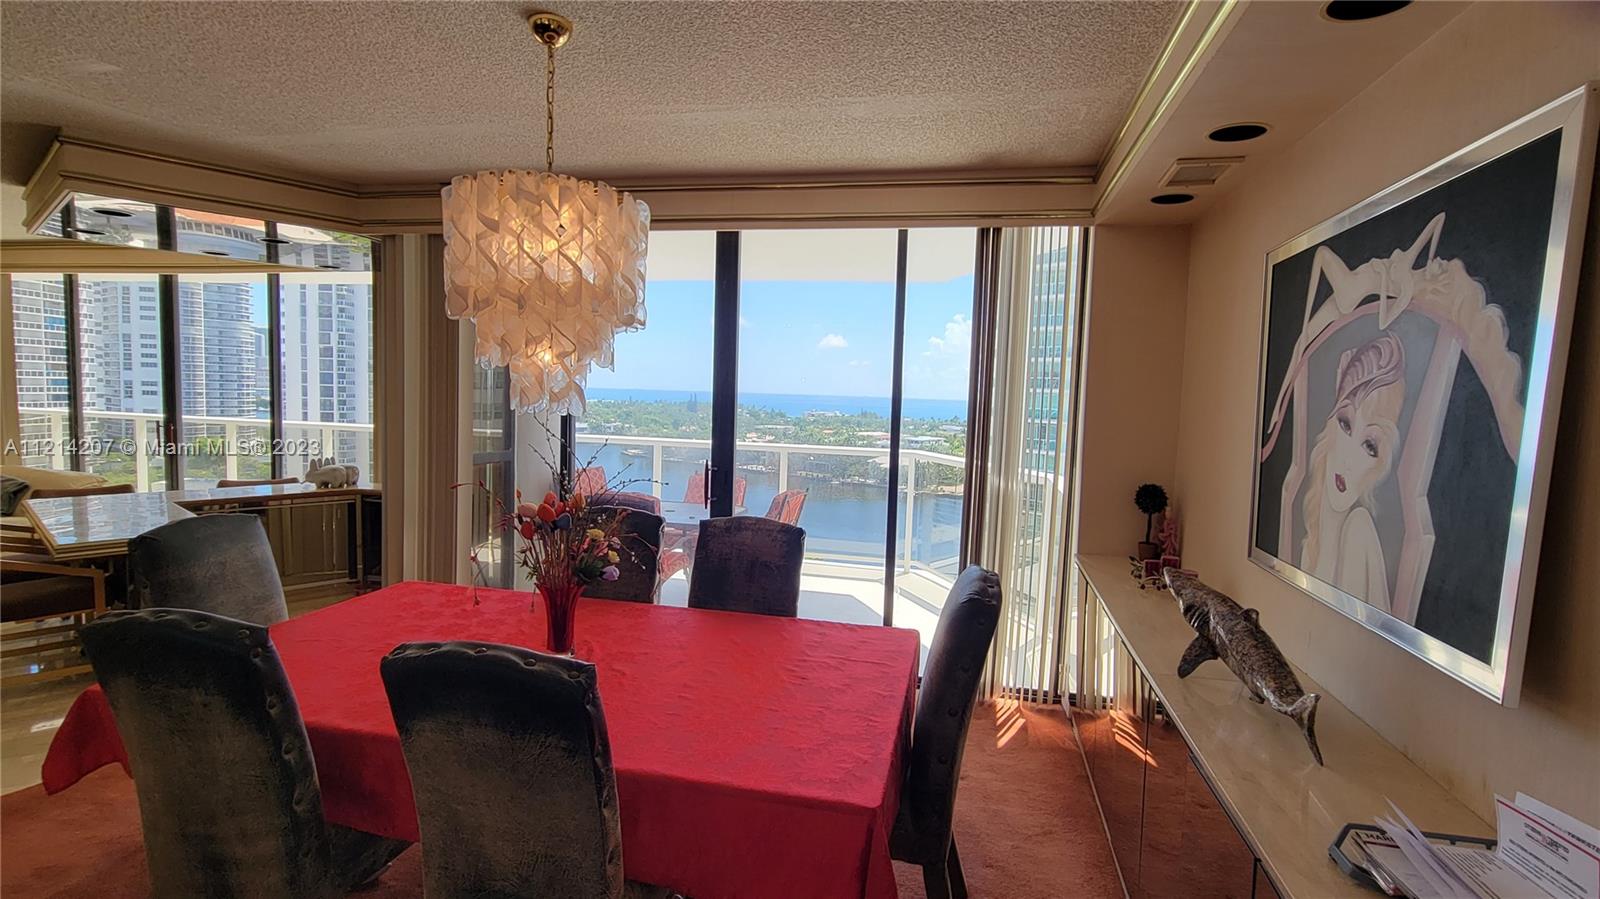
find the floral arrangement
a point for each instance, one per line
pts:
(566, 543)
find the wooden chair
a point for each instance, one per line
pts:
(256, 482)
(228, 793)
(220, 564)
(543, 819)
(640, 533)
(786, 506)
(34, 592)
(745, 564)
(922, 832)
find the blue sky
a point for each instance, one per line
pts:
(833, 338)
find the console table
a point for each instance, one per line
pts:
(317, 536)
(1205, 793)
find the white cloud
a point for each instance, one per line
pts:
(859, 363)
(957, 339)
(832, 342)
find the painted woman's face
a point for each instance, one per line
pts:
(1361, 452)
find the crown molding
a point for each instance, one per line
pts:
(1195, 38)
(80, 165)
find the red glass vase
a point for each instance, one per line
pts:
(560, 613)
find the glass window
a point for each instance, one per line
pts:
(104, 220)
(933, 420)
(39, 323)
(121, 386)
(326, 321)
(493, 470)
(220, 235)
(225, 377)
(648, 425)
(816, 362)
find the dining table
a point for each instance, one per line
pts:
(755, 756)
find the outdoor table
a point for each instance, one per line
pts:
(755, 756)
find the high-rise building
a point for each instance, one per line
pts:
(224, 334)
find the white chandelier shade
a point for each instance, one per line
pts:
(549, 269)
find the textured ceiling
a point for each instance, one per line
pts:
(376, 93)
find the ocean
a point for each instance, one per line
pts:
(797, 404)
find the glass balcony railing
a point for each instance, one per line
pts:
(125, 447)
(845, 485)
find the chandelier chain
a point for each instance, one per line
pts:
(550, 107)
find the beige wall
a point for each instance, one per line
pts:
(1133, 358)
(1494, 63)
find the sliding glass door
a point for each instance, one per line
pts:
(819, 377)
(812, 421)
(648, 425)
(937, 368)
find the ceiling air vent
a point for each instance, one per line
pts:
(1199, 172)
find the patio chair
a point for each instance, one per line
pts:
(589, 481)
(786, 506)
(746, 564)
(695, 492)
(220, 564)
(922, 832)
(541, 821)
(228, 794)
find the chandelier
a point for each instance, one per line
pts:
(547, 267)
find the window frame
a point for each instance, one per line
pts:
(170, 326)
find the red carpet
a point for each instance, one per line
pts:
(1025, 821)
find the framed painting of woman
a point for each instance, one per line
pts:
(1411, 369)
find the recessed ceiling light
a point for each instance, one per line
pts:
(92, 232)
(1171, 199)
(214, 252)
(1361, 10)
(332, 267)
(112, 211)
(1238, 131)
(276, 240)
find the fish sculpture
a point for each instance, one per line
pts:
(1234, 635)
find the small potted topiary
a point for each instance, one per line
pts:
(1150, 499)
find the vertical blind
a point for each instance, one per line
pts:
(1026, 520)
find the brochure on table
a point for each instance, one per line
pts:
(1541, 853)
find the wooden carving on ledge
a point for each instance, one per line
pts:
(1225, 631)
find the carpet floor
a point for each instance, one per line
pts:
(1026, 823)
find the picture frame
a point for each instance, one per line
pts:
(1412, 356)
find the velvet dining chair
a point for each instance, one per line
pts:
(640, 534)
(228, 795)
(746, 564)
(922, 832)
(511, 771)
(221, 564)
(627, 499)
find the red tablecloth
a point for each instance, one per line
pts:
(755, 756)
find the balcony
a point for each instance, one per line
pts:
(125, 447)
(845, 517)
